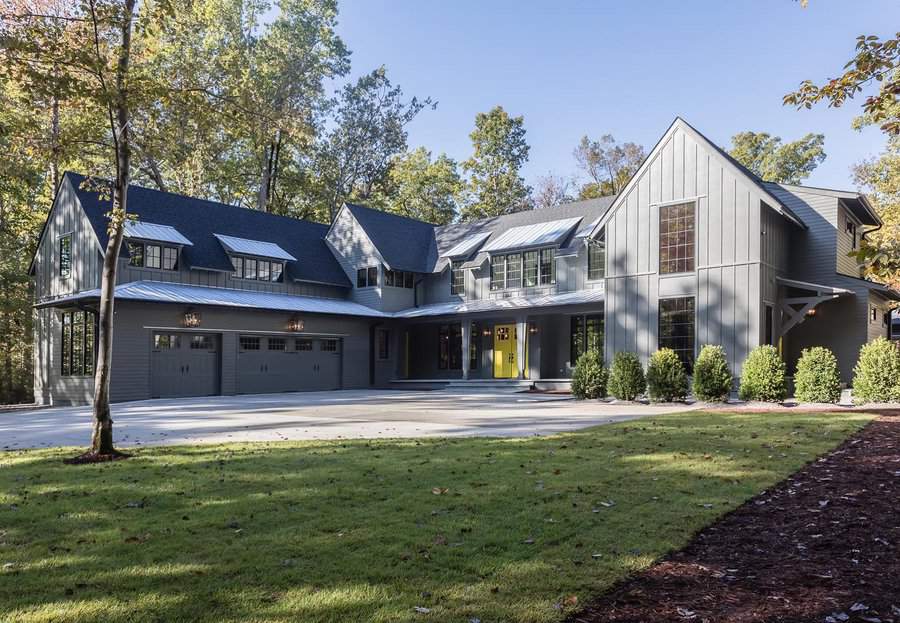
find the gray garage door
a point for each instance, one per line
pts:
(184, 364)
(287, 364)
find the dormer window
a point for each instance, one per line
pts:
(851, 231)
(255, 269)
(149, 255)
(398, 278)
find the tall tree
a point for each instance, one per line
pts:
(495, 184)
(551, 190)
(608, 164)
(774, 161)
(421, 188)
(369, 130)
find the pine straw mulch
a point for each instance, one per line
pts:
(823, 546)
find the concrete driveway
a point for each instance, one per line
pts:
(321, 415)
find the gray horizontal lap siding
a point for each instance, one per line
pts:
(354, 250)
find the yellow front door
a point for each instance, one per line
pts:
(505, 364)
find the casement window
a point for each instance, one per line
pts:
(153, 256)
(78, 355)
(457, 280)
(262, 270)
(597, 257)
(249, 342)
(851, 232)
(277, 270)
(250, 265)
(530, 269)
(548, 267)
(367, 277)
(874, 313)
(328, 346)
(304, 344)
(163, 341)
(397, 278)
(255, 269)
(585, 333)
(65, 256)
(136, 254)
(170, 258)
(498, 272)
(238, 263)
(382, 339)
(201, 342)
(676, 238)
(676, 328)
(514, 270)
(450, 347)
(277, 343)
(373, 276)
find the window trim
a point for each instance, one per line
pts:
(65, 269)
(144, 245)
(543, 278)
(693, 243)
(457, 289)
(366, 271)
(88, 348)
(243, 260)
(688, 365)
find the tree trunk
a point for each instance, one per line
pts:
(102, 435)
(265, 173)
(151, 168)
(273, 168)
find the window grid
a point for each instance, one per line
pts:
(457, 280)
(676, 238)
(328, 346)
(530, 269)
(597, 257)
(676, 328)
(77, 357)
(585, 333)
(249, 342)
(498, 272)
(304, 344)
(201, 342)
(65, 256)
(548, 267)
(373, 276)
(153, 256)
(514, 270)
(170, 258)
(277, 343)
(383, 344)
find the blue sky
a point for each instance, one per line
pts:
(626, 68)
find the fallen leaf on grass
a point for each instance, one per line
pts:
(422, 609)
(439, 490)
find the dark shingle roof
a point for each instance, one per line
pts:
(198, 220)
(404, 243)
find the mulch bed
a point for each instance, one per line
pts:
(823, 546)
(90, 457)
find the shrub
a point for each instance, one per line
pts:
(763, 376)
(589, 377)
(876, 377)
(817, 378)
(712, 377)
(666, 378)
(626, 377)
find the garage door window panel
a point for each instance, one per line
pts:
(249, 342)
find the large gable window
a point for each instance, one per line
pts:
(597, 257)
(676, 238)
(676, 328)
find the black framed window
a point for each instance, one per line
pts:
(304, 344)
(548, 267)
(450, 347)
(250, 266)
(457, 280)
(676, 238)
(328, 346)
(153, 256)
(201, 342)
(65, 256)
(382, 338)
(277, 343)
(770, 324)
(514, 270)
(361, 281)
(851, 231)
(409, 280)
(238, 263)
(249, 342)
(585, 333)
(473, 347)
(136, 254)
(373, 276)
(530, 269)
(498, 272)
(597, 257)
(676, 328)
(263, 271)
(170, 258)
(78, 354)
(389, 277)
(277, 270)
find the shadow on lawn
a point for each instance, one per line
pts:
(341, 530)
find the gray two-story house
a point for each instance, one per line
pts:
(214, 299)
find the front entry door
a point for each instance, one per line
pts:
(505, 364)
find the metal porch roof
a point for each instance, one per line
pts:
(155, 232)
(258, 248)
(509, 304)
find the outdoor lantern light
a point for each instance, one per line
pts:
(295, 324)
(191, 318)
(532, 329)
(486, 332)
(811, 313)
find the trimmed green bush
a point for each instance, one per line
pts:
(666, 378)
(876, 377)
(763, 375)
(818, 378)
(589, 377)
(712, 376)
(626, 377)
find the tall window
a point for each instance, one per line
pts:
(170, 258)
(597, 257)
(457, 280)
(238, 263)
(548, 267)
(383, 343)
(770, 324)
(498, 272)
(514, 270)
(78, 352)
(851, 231)
(450, 347)
(473, 347)
(373, 276)
(585, 333)
(676, 328)
(141, 255)
(65, 256)
(676, 238)
(530, 269)
(262, 270)
(135, 254)
(153, 256)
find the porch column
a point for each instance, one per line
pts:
(466, 337)
(521, 339)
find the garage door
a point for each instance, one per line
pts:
(287, 364)
(184, 364)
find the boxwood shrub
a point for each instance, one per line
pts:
(763, 376)
(712, 376)
(876, 377)
(818, 378)
(589, 377)
(666, 378)
(626, 377)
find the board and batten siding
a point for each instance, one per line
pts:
(726, 281)
(846, 263)
(354, 250)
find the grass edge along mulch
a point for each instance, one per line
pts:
(494, 529)
(821, 546)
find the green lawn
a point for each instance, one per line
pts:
(493, 529)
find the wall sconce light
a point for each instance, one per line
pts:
(486, 332)
(532, 329)
(296, 324)
(811, 313)
(191, 318)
